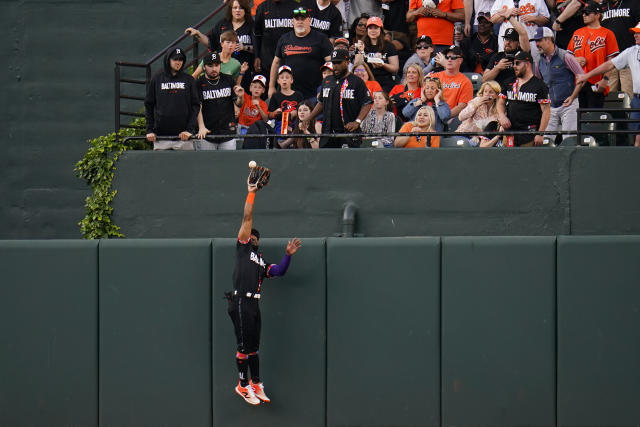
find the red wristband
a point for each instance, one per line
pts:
(250, 197)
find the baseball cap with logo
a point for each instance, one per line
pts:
(261, 79)
(328, 65)
(375, 20)
(635, 29)
(178, 53)
(284, 68)
(211, 58)
(542, 32)
(511, 34)
(521, 55)
(592, 7)
(454, 49)
(424, 40)
(340, 55)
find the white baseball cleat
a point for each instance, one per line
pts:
(247, 394)
(258, 391)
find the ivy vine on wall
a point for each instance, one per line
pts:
(97, 169)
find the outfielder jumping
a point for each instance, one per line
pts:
(248, 274)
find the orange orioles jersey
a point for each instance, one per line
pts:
(596, 45)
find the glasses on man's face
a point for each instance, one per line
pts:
(423, 46)
(300, 13)
(452, 57)
(519, 63)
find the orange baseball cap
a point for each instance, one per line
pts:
(635, 29)
(375, 20)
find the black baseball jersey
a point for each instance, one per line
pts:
(305, 55)
(328, 20)
(217, 103)
(245, 36)
(250, 268)
(342, 100)
(619, 17)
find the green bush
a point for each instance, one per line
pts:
(97, 168)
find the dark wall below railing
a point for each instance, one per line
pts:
(397, 192)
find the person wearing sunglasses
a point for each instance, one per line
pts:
(593, 45)
(629, 57)
(422, 56)
(358, 29)
(530, 13)
(457, 88)
(525, 106)
(305, 50)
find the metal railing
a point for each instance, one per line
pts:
(121, 94)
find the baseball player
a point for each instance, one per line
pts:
(249, 272)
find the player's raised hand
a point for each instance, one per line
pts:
(293, 245)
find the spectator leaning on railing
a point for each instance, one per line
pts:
(630, 57)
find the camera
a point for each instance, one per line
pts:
(510, 57)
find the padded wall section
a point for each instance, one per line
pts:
(293, 340)
(598, 331)
(497, 192)
(383, 332)
(48, 333)
(498, 331)
(604, 191)
(155, 333)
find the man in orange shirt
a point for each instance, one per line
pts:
(593, 45)
(456, 87)
(437, 21)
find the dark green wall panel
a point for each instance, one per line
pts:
(48, 333)
(598, 331)
(293, 341)
(498, 331)
(155, 333)
(383, 332)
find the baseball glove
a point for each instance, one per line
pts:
(259, 176)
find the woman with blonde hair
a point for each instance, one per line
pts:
(424, 122)
(362, 70)
(410, 89)
(481, 110)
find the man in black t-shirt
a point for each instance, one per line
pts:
(480, 47)
(249, 272)
(346, 101)
(525, 105)
(304, 50)
(326, 18)
(217, 92)
(500, 65)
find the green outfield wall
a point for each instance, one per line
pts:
(415, 331)
(444, 192)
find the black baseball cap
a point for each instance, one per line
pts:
(453, 48)
(340, 55)
(211, 58)
(521, 55)
(511, 34)
(424, 39)
(178, 53)
(592, 7)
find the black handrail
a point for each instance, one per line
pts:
(147, 66)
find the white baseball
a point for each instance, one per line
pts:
(252, 164)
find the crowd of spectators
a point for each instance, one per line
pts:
(308, 67)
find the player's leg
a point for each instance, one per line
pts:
(254, 364)
(242, 327)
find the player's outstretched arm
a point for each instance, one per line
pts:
(247, 218)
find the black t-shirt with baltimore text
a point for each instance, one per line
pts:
(619, 17)
(250, 269)
(342, 102)
(217, 103)
(305, 55)
(328, 20)
(523, 105)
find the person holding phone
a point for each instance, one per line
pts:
(481, 110)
